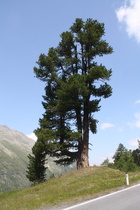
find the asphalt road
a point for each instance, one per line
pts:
(127, 199)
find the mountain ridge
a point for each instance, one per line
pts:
(14, 150)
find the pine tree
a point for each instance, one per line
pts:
(123, 159)
(136, 154)
(74, 86)
(121, 151)
(36, 167)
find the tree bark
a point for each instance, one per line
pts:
(83, 159)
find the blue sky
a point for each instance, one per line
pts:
(31, 27)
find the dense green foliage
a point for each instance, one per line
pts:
(36, 168)
(124, 159)
(42, 167)
(136, 154)
(74, 85)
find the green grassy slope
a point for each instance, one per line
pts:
(67, 189)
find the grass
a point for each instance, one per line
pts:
(73, 187)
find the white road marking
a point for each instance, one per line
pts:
(95, 199)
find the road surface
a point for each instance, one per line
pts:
(127, 199)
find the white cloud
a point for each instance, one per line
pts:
(129, 14)
(136, 123)
(32, 136)
(137, 102)
(106, 125)
(134, 143)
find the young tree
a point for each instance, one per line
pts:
(121, 151)
(123, 159)
(105, 162)
(75, 83)
(36, 167)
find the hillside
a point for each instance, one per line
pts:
(74, 187)
(14, 149)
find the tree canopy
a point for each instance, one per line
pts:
(124, 159)
(74, 86)
(136, 154)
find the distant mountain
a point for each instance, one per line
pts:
(14, 149)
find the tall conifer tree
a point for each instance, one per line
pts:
(74, 86)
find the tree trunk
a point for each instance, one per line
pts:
(83, 160)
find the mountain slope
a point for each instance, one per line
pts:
(14, 149)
